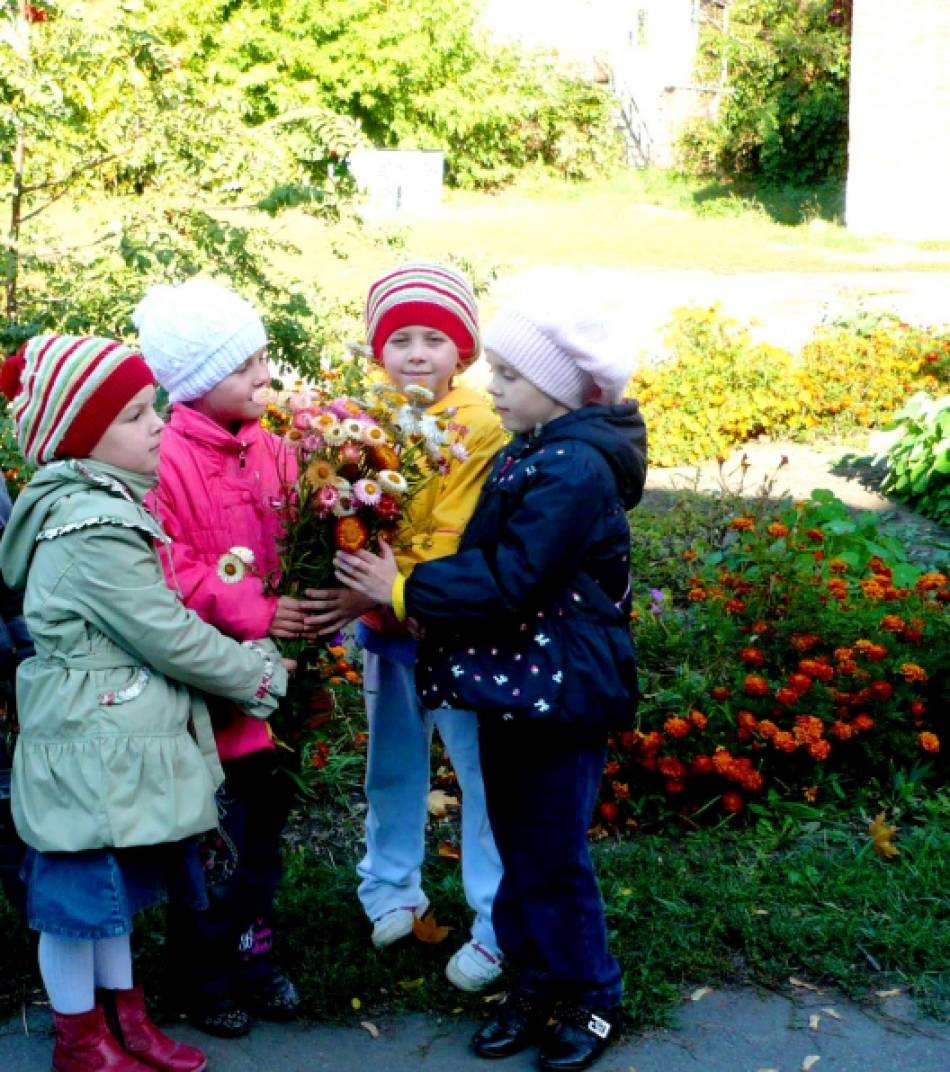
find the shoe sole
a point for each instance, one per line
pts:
(465, 983)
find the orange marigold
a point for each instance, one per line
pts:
(838, 565)
(698, 719)
(747, 719)
(701, 765)
(801, 683)
(752, 656)
(755, 685)
(929, 742)
(818, 668)
(929, 582)
(733, 606)
(767, 729)
(803, 642)
(841, 730)
(743, 524)
(893, 623)
(732, 801)
(777, 530)
(912, 672)
(784, 741)
(787, 696)
(720, 692)
(862, 723)
(918, 708)
(676, 727)
(819, 750)
(815, 535)
(722, 761)
(697, 595)
(670, 767)
(881, 690)
(621, 790)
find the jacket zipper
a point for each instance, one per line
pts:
(242, 457)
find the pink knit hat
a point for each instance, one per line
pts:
(573, 359)
(431, 295)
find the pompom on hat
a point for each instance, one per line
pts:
(65, 391)
(573, 356)
(432, 295)
(195, 334)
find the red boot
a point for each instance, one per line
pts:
(84, 1044)
(142, 1039)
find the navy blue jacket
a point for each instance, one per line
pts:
(530, 618)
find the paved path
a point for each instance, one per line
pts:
(723, 1031)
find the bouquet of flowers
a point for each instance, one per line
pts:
(359, 462)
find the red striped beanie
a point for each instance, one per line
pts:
(66, 390)
(430, 295)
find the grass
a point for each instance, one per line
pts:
(706, 908)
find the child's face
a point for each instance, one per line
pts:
(421, 355)
(131, 441)
(519, 404)
(231, 401)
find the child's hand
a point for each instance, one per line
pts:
(339, 606)
(373, 575)
(290, 619)
(290, 665)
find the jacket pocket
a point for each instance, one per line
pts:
(135, 685)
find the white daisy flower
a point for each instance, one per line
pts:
(345, 506)
(231, 569)
(393, 482)
(245, 554)
(429, 427)
(418, 393)
(373, 435)
(353, 429)
(265, 396)
(406, 420)
(334, 436)
(368, 492)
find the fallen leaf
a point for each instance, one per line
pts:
(809, 1063)
(439, 803)
(801, 983)
(427, 930)
(499, 995)
(372, 1029)
(760, 912)
(450, 851)
(698, 995)
(356, 1003)
(813, 1021)
(889, 993)
(882, 837)
(411, 984)
(831, 1012)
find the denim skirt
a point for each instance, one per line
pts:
(96, 894)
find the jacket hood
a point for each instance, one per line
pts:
(618, 433)
(51, 485)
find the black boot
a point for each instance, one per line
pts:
(520, 1020)
(578, 1038)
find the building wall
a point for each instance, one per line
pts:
(899, 148)
(646, 47)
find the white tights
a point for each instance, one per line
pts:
(72, 968)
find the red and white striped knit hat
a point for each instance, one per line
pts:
(430, 295)
(66, 390)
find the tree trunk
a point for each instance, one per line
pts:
(19, 159)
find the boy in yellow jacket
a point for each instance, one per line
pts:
(422, 325)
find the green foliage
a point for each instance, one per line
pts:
(411, 74)
(918, 461)
(784, 118)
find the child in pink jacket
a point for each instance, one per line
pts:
(221, 487)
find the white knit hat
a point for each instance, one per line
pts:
(196, 334)
(574, 358)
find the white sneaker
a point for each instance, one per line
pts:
(473, 967)
(397, 923)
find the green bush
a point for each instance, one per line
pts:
(918, 461)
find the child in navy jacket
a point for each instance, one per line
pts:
(528, 625)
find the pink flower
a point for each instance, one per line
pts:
(458, 449)
(303, 420)
(327, 498)
(351, 453)
(367, 491)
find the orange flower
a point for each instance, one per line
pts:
(862, 723)
(841, 730)
(777, 530)
(767, 729)
(929, 742)
(698, 719)
(697, 595)
(810, 793)
(881, 690)
(801, 683)
(872, 589)
(918, 708)
(752, 781)
(676, 727)
(611, 768)
(383, 456)
(786, 696)
(819, 750)
(732, 801)
(352, 677)
(670, 767)
(689, 555)
(743, 524)
(892, 623)
(752, 656)
(755, 685)
(620, 790)
(912, 672)
(722, 761)
(720, 692)
(758, 628)
(784, 742)
(929, 582)
(817, 668)
(746, 719)
(838, 565)
(734, 606)
(815, 535)
(803, 642)
(809, 727)
(350, 534)
(701, 765)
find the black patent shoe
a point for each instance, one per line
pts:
(578, 1038)
(277, 999)
(227, 1021)
(519, 1022)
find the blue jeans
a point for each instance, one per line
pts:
(397, 784)
(541, 782)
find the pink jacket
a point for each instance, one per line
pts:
(216, 491)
